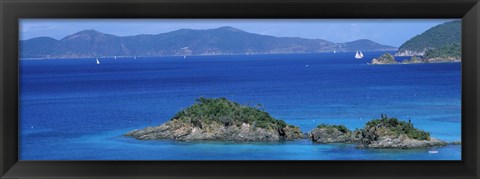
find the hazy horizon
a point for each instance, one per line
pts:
(392, 32)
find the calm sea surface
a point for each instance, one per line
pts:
(77, 110)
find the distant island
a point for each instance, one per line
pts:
(439, 44)
(219, 119)
(184, 42)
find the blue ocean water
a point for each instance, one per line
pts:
(73, 109)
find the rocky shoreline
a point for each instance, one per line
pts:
(224, 120)
(387, 59)
(331, 134)
(402, 53)
(215, 131)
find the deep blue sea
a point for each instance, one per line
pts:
(74, 109)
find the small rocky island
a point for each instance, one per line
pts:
(220, 120)
(379, 133)
(331, 134)
(386, 58)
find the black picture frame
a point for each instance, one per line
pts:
(12, 10)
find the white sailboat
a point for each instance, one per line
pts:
(185, 52)
(135, 57)
(115, 57)
(98, 62)
(359, 55)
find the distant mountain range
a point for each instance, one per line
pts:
(219, 41)
(443, 36)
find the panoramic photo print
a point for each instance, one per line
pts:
(240, 89)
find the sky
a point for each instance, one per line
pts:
(392, 32)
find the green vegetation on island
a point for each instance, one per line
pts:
(392, 133)
(399, 127)
(439, 44)
(221, 110)
(223, 120)
(436, 37)
(324, 133)
(452, 52)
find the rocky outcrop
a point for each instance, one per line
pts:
(381, 137)
(331, 134)
(220, 120)
(291, 132)
(385, 59)
(379, 133)
(182, 131)
(392, 133)
(401, 141)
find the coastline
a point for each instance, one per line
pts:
(368, 63)
(389, 59)
(205, 55)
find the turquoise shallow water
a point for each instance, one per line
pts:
(76, 110)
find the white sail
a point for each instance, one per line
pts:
(98, 62)
(357, 55)
(115, 57)
(184, 56)
(361, 54)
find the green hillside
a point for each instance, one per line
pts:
(445, 52)
(439, 36)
